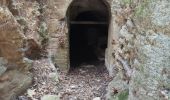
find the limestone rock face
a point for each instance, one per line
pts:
(161, 13)
(150, 80)
(11, 40)
(13, 83)
(140, 51)
(28, 16)
(54, 13)
(13, 75)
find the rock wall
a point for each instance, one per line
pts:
(13, 64)
(55, 19)
(139, 50)
(20, 41)
(29, 29)
(134, 24)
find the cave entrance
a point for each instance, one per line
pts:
(88, 24)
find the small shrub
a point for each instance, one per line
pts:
(140, 10)
(43, 31)
(123, 95)
(126, 2)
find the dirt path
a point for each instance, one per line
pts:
(85, 82)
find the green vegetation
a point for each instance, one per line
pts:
(123, 95)
(43, 32)
(141, 6)
(127, 2)
(120, 96)
(141, 9)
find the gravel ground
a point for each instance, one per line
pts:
(84, 82)
(45, 80)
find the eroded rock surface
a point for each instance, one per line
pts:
(13, 66)
(141, 54)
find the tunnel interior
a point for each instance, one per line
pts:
(88, 32)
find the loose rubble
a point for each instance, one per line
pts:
(86, 82)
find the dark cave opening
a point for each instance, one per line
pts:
(88, 33)
(84, 43)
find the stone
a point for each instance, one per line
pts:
(14, 78)
(72, 98)
(54, 76)
(124, 33)
(2, 69)
(11, 40)
(73, 86)
(33, 49)
(22, 98)
(147, 79)
(50, 97)
(28, 62)
(97, 98)
(15, 84)
(30, 93)
(161, 12)
(130, 24)
(2, 65)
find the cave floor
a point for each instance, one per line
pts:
(85, 82)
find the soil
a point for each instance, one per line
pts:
(83, 82)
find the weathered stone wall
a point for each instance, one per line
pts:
(139, 50)
(54, 16)
(20, 40)
(13, 65)
(29, 27)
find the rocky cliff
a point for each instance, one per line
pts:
(140, 50)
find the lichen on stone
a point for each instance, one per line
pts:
(161, 12)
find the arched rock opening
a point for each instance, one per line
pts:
(88, 23)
